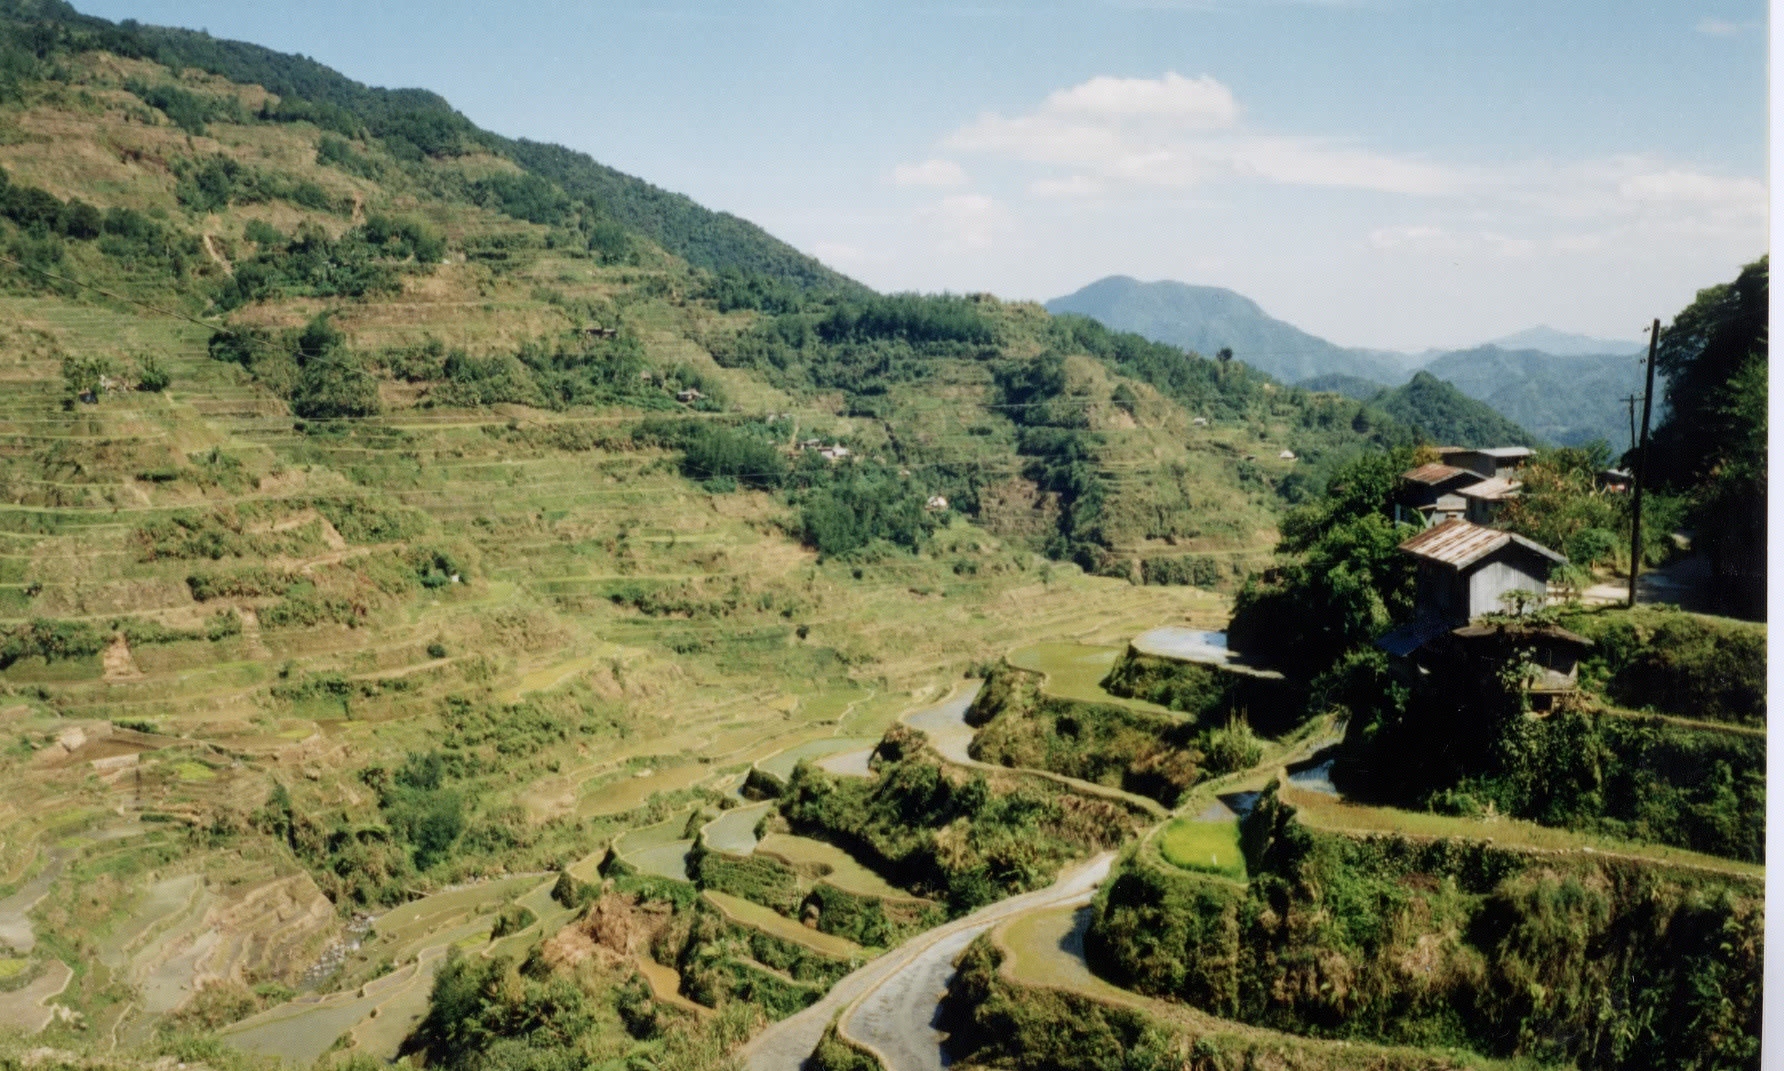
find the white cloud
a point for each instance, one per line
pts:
(1191, 101)
(1416, 236)
(934, 174)
(1695, 187)
(1174, 132)
(1716, 27)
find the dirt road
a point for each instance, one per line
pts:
(889, 1004)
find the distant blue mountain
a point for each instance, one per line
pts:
(1563, 344)
(1566, 400)
(1207, 319)
(1560, 387)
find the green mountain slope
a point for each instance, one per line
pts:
(412, 124)
(1339, 383)
(1206, 319)
(1445, 415)
(1567, 400)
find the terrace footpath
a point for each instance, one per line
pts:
(887, 1005)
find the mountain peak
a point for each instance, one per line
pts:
(1207, 319)
(1547, 339)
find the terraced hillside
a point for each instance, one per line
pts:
(381, 512)
(459, 602)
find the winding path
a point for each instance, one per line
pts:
(889, 1005)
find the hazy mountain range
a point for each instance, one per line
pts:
(1564, 388)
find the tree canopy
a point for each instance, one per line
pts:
(1712, 443)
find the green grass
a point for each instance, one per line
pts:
(1206, 847)
(1075, 671)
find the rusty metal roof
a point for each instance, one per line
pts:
(1436, 473)
(1458, 544)
(1496, 488)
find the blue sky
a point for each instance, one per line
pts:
(1395, 173)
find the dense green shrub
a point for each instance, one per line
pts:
(716, 451)
(1208, 694)
(1677, 663)
(53, 641)
(758, 878)
(946, 834)
(1147, 754)
(1197, 570)
(868, 921)
(1578, 958)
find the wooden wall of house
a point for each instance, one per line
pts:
(1500, 574)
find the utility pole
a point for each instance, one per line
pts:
(1641, 465)
(1631, 400)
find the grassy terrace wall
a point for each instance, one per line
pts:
(995, 1022)
(1208, 694)
(963, 838)
(1143, 753)
(1599, 961)
(1699, 786)
(1676, 663)
(794, 892)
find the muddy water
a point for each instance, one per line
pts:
(735, 830)
(945, 724)
(16, 930)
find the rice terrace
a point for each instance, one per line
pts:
(465, 607)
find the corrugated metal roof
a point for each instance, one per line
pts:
(1506, 451)
(1496, 488)
(1458, 544)
(1412, 635)
(1555, 632)
(1435, 473)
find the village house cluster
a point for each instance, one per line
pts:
(1468, 569)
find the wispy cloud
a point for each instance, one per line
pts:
(1200, 102)
(1177, 132)
(935, 174)
(1716, 27)
(1114, 138)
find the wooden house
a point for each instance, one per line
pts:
(1550, 654)
(1466, 569)
(1485, 499)
(1490, 461)
(1429, 494)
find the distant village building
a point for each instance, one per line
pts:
(833, 453)
(1286, 455)
(1486, 498)
(1431, 494)
(1489, 461)
(1615, 481)
(1200, 422)
(936, 502)
(691, 394)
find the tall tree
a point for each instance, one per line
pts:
(1712, 444)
